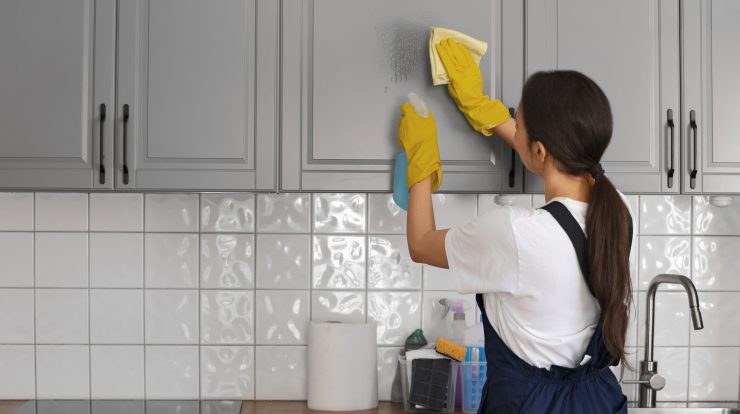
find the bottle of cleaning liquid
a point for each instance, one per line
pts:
(400, 187)
(458, 322)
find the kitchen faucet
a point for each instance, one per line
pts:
(650, 381)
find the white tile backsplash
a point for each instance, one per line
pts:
(61, 260)
(117, 371)
(16, 211)
(16, 316)
(116, 260)
(61, 212)
(16, 255)
(192, 305)
(116, 212)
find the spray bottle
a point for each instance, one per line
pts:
(400, 189)
(458, 317)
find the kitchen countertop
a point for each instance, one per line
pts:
(259, 407)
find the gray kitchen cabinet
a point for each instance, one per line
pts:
(710, 87)
(631, 49)
(56, 74)
(197, 95)
(348, 65)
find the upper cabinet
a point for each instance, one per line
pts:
(631, 49)
(711, 87)
(197, 94)
(347, 66)
(56, 94)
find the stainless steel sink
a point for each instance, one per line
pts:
(684, 411)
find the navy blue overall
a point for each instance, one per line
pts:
(514, 386)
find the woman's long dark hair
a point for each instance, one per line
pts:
(570, 115)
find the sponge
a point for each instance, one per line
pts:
(450, 349)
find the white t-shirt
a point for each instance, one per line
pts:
(535, 295)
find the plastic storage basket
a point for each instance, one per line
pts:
(473, 377)
(406, 390)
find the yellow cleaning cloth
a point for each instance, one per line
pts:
(476, 47)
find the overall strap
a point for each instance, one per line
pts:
(576, 235)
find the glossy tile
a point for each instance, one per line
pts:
(171, 407)
(171, 317)
(116, 212)
(384, 215)
(672, 319)
(454, 209)
(436, 321)
(227, 317)
(487, 202)
(16, 317)
(16, 255)
(171, 260)
(227, 261)
(396, 313)
(220, 406)
(436, 278)
(172, 372)
(284, 261)
(714, 374)
(16, 211)
(61, 212)
(716, 262)
(61, 260)
(282, 317)
(281, 373)
(227, 372)
(538, 200)
(663, 254)
(665, 214)
(284, 213)
(339, 213)
(62, 407)
(721, 314)
(62, 372)
(674, 366)
(339, 262)
(387, 364)
(711, 218)
(390, 265)
(117, 371)
(117, 406)
(116, 316)
(17, 372)
(116, 260)
(227, 212)
(61, 316)
(171, 212)
(342, 306)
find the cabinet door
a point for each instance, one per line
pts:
(711, 88)
(198, 80)
(56, 70)
(631, 49)
(347, 66)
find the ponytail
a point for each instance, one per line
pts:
(570, 115)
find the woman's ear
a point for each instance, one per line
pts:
(540, 153)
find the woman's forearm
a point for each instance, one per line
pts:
(506, 131)
(425, 242)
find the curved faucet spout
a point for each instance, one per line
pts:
(690, 289)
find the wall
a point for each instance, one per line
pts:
(209, 295)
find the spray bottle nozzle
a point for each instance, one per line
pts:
(456, 305)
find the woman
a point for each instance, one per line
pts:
(553, 284)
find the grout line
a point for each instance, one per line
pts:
(35, 325)
(198, 294)
(89, 308)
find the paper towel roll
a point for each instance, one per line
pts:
(342, 366)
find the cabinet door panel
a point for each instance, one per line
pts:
(55, 74)
(347, 67)
(189, 73)
(711, 87)
(630, 48)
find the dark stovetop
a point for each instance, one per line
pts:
(128, 407)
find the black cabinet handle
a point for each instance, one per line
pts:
(671, 170)
(692, 123)
(512, 171)
(101, 171)
(125, 143)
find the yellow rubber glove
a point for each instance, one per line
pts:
(418, 137)
(466, 88)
